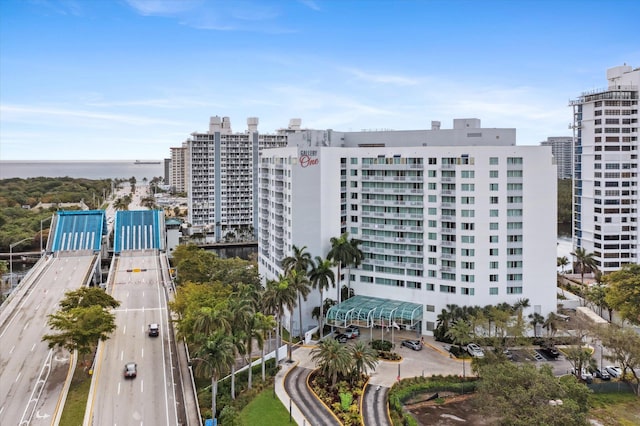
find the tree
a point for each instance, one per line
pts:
(623, 292)
(562, 262)
(240, 309)
(536, 319)
(264, 324)
(584, 261)
(551, 324)
(623, 348)
(363, 357)
(278, 296)
(214, 356)
(321, 276)
(356, 260)
(579, 357)
(332, 359)
(460, 334)
(298, 264)
(520, 395)
(299, 282)
(341, 254)
(80, 328)
(85, 297)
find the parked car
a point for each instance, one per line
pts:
(416, 345)
(584, 375)
(352, 332)
(550, 351)
(130, 370)
(475, 350)
(341, 338)
(601, 374)
(614, 372)
(154, 330)
(507, 353)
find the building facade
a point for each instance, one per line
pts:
(446, 216)
(562, 150)
(178, 176)
(221, 166)
(605, 220)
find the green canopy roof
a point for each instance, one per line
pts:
(365, 311)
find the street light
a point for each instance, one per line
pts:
(11, 246)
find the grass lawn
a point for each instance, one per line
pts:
(74, 407)
(265, 409)
(615, 409)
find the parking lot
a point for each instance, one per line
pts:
(434, 358)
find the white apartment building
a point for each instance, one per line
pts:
(221, 166)
(605, 220)
(562, 150)
(446, 216)
(178, 176)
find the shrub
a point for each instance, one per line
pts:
(381, 345)
(345, 400)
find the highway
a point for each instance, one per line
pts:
(150, 398)
(32, 375)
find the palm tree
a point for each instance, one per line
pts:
(341, 254)
(584, 261)
(460, 334)
(364, 358)
(213, 357)
(208, 321)
(536, 319)
(356, 260)
(241, 309)
(300, 261)
(519, 306)
(264, 324)
(332, 359)
(299, 281)
(563, 261)
(551, 324)
(321, 277)
(279, 295)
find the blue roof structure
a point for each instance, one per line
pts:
(79, 230)
(139, 230)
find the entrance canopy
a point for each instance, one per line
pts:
(365, 311)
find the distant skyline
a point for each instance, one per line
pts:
(128, 79)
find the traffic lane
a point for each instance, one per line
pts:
(25, 357)
(374, 406)
(314, 411)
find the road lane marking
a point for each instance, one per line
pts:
(18, 378)
(25, 326)
(33, 347)
(118, 388)
(12, 348)
(121, 355)
(142, 353)
(124, 330)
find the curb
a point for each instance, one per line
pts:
(321, 401)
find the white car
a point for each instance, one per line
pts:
(475, 350)
(614, 372)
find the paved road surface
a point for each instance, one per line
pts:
(374, 406)
(296, 386)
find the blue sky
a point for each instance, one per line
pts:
(128, 79)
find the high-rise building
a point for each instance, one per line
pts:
(178, 176)
(605, 220)
(221, 170)
(562, 150)
(446, 216)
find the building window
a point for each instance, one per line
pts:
(493, 187)
(430, 287)
(467, 291)
(431, 308)
(493, 278)
(493, 200)
(354, 172)
(493, 265)
(493, 161)
(493, 226)
(493, 252)
(493, 291)
(514, 290)
(447, 289)
(493, 213)
(493, 238)
(493, 174)
(354, 160)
